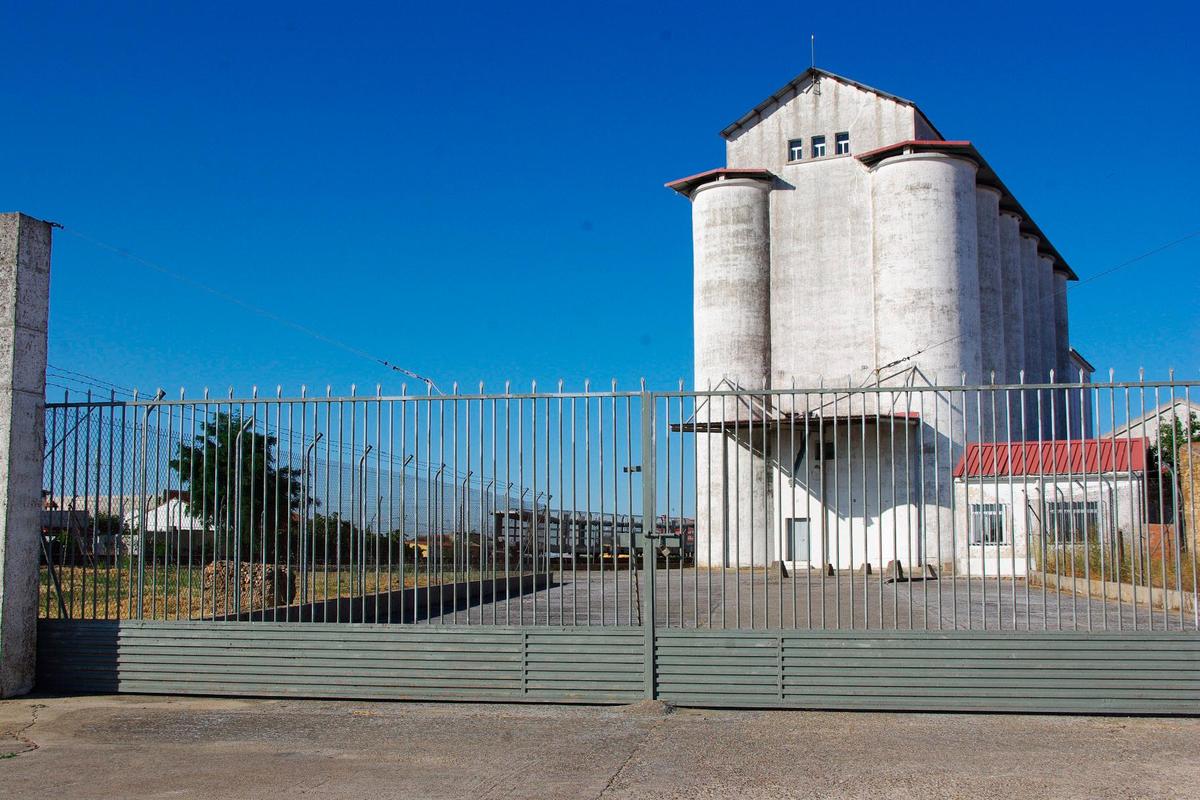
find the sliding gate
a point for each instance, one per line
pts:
(994, 548)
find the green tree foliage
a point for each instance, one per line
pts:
(1163, 473)
(235, 486)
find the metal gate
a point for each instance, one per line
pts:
(967, 547)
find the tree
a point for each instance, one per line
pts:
(235, 486)
(1162, 477)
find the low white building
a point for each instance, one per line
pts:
(1014, 500)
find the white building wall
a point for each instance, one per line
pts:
(821, 303)
(1024, 501)
(863, 505)
(827, 108)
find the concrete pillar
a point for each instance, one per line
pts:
(1053, 414)
(926, 264)
(1035, 367)
(24, 298)
(1062, 341)
(991, 286)
(731, 240)
(926, 256)
(1012, 280)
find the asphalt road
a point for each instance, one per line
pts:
(143, 747)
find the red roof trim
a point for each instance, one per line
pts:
(1058, 457)
(685, 185)
(879, 153)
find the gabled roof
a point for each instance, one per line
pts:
(1075, 457)
(793, 86)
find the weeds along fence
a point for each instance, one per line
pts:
(998, 507)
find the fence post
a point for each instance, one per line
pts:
(24, 298)
(649, 521)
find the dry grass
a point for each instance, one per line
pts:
(104, 592)
(1140, 569)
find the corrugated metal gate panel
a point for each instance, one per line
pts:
(912, 671)
(350, 660)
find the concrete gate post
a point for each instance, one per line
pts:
(24, 306)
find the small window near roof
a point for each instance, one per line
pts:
(841, 144)
(795, 149)
(818, 147)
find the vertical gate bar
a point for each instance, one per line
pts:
(877, 400)
(777, 481)
(587, 484)
(378, 497)
(454, 545)
(793, 460)
(616, 514)
(575, 517)
(506, 526)
(562, 493)
(667, 496)
(521, 508)
(549, 497)
(937, 494)
(440, 509)
(1191, 449)
(976, 514)
(600, 475)
(631, 567)
(682, 508)
(391, 526)
(649, 513)
(1162, 531)
(840, 454)
(724, 505)
(1184, 427)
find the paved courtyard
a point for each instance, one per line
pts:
(761, 598)
(147, 747)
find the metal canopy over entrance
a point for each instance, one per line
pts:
(605, 547)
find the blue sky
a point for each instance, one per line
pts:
(474, 191)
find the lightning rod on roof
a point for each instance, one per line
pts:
(812, 50)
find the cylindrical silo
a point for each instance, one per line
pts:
(1035, 367)
(991, 309)
(926, 272)
(731, 238)
(991, 287)
(926, 265)
(1062, 340)
(1055, 414)
(1014, 313)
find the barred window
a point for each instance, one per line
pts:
(987, 524)
(1073, 522)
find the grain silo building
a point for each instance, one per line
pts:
(847, 242)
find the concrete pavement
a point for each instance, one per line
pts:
(152, 747)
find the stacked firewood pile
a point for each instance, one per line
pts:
(260, 586)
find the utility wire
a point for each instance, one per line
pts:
(251, 307)
(1049, 298)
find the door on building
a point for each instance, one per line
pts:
(796, 545)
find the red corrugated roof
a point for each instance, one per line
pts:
(1060, 457)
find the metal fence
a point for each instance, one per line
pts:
(1056, 507)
